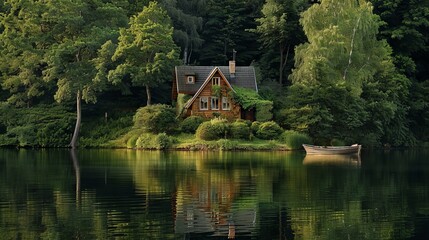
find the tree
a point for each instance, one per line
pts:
(23, 42)
(405, 29)
(146, 52)
(347, 77)
(78, 28)
(187, 23)
(279, 29)
(224, 29)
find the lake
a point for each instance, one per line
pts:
(129, 194)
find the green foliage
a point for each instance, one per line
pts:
(156, 118)
(97, 132)
(132, 141)
(190, 124)
(43, 126)
(150, 141)
(255, 127)
(214, 129)
(224, 29)
(345, 85)
(187, 24)
(182, 99)
(279, 29)
(240, 130)
(249, 99)
(146, 52)
(269, 130)
(294, 140)
(337, 142)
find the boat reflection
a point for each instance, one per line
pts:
(334, 160)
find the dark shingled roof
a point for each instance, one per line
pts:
(244, 77)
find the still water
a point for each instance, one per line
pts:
(127, 194)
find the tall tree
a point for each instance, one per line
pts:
(406, 27)
(224, 29)
(23, 42)
(279, 29)
(344, 60)
(146, 52)
(187, 23)
(79, 28)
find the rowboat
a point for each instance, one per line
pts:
(332, 150)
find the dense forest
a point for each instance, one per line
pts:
(351, 70)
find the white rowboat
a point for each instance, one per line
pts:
(332, 150)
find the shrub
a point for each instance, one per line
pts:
(213, 130)
(337, 142)
(293, 139)
(269, 130)
(240, 130)
(226, 144)
(155, 118)
(150, 141)
(190, 124)
(131, 142)
(255, 127)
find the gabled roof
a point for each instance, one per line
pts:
(208, 79)
(244, 77)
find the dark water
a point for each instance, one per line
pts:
(127, 194)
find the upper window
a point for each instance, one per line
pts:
(204, 103)
(190, 79)
(225, 104)
(214, 103)
(216, 81)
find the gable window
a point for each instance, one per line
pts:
(216, 81)
(214, 103)
(204, 101)
(190, 79)
(225, 104)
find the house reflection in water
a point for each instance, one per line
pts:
(207, 206)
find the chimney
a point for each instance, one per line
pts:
(232, 65)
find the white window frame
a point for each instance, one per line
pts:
(214, 103)
(226, 105)
(216, 81)
(202, 101)
(190, 79)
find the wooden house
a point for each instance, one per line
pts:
(209, 90)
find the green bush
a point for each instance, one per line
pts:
(226, 144)
(294, 140)
(131, 142)
(213, 130)
(38, 126)
(240, 130)
(156, 118)
(151, 141)
(269, 130)
(255, 127)
(337, 142)
(264, 110)
(190, 124)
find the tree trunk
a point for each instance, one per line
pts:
(73, 143)
(281, 66)
(283, 62)
(149, 96)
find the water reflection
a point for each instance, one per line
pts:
(105, 194)
(352, 160)
(76, 173)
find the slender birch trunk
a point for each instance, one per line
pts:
(73, 143)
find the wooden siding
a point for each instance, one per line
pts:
(233, 113)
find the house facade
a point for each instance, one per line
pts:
(209, 89)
